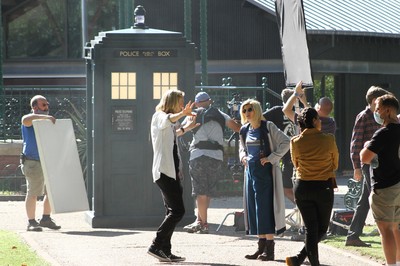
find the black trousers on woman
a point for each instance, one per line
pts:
(315, 202)
(171, 191)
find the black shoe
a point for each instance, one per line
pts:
(356, 242)
(49, 223)
(175, 258)
(159, 254)
(34, 227)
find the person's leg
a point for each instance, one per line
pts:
(171, 191)
(202, 202)
(324, 204)
(361, 211)
(212, 171)
(309, 213)
(396, 234)
(387, 231)
(289, 194)
(46, 206)
(263, 199)
(250, 211)
(307, 194)
(385, 206)
(198, 192)
(30, 206)
(265, 220)
(287, 174)
(46, 220)
(35, 187)
(250, 203)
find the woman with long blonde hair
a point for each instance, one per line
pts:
(262, 145)
(167, 166)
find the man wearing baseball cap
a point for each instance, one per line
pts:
(206, 156)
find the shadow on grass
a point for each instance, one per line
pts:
(373, 252)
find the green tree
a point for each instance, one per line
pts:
(325, 91)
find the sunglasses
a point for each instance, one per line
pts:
(247, 110)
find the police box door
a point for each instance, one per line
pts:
(134, 91)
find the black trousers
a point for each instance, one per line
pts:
(171, 191)
(315, 202)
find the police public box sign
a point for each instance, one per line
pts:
(122, 119)
(162, 53)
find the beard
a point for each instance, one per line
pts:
(41, 112)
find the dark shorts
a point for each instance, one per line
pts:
(205, 172)
(287, 172)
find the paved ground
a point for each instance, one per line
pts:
(78, 244)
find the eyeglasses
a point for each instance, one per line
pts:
(247, 110)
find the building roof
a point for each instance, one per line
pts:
(379, 18)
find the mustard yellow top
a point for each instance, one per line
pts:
(315, 155)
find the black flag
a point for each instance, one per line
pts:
(292, 31)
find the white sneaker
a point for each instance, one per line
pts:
(193, 228)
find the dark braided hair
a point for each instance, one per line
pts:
(306, 118)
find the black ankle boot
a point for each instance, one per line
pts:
(261, 246)
(298, 259)
(269, 251)
(313, 259)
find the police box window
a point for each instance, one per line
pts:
(164, 81)
(123, 85)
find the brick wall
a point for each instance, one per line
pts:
(9, 158)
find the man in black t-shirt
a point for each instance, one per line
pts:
(382, 153)
(276, 116)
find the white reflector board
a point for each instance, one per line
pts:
(292, 31)
(61, 165)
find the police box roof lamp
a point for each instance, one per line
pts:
(140, 14)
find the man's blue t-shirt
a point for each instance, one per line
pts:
(29, 146)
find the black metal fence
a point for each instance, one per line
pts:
(14, 103)
(71, 103)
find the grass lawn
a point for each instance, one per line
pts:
(373, 252)
(15, 252)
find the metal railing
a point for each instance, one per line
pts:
(14, 103)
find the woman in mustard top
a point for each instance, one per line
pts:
(315, 157)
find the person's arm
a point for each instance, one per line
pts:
(293, 153)
(242, 150)
(374, 146)
(356, 145)
(281, 143)
(190, 123)
(288, 106)
(233, 124)
(27, 119)
(367, 155)
(335, 155)
(186, 111)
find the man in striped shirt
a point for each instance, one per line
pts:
(364, 127)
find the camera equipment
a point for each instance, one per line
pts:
(234, 106)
